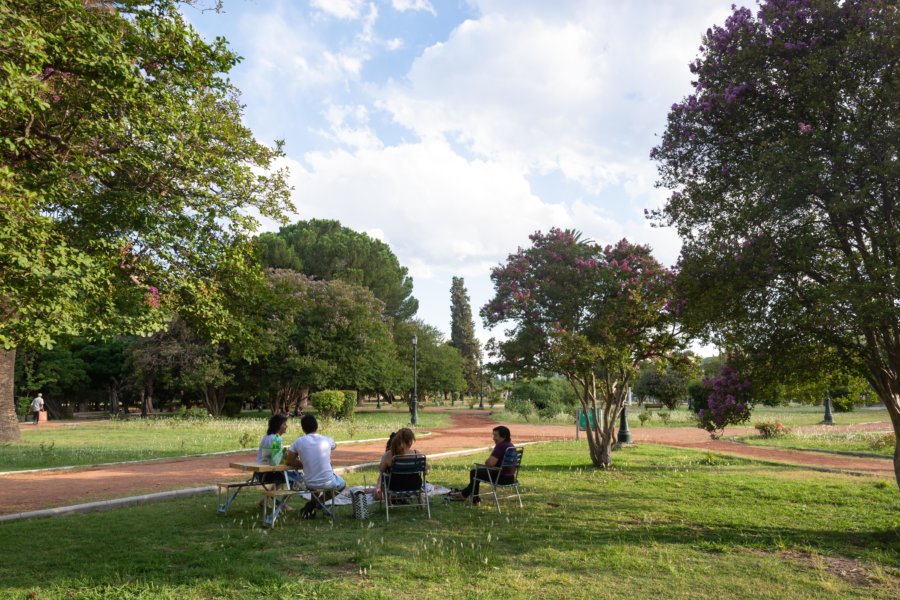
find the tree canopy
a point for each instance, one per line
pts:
(125, 174)
(324, 249)
(785, 176)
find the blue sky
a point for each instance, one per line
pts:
(452, 129)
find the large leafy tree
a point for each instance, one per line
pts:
(323, 334)
(125, 175)
(785, 175)
(462, 332)
(324, 249)
(588, 313)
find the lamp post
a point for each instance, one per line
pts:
(624, 436)
(413, 408)
(481, 382)
(829, 418)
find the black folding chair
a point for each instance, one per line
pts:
(503, 475)
(405, 480)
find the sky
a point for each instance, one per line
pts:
(452, 129)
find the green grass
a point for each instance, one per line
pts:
(791, 416)
(665, 523)
(856, 441)
(137, 439)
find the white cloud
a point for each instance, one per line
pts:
(341, 9)
(577, 88)
(416, 5)
(436, 209)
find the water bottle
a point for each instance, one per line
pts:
(277, 451)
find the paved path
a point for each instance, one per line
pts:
(34, 491)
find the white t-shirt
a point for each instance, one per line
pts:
(314, 451)
(37, 404)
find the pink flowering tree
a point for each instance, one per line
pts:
(784, 171)
(588, 313)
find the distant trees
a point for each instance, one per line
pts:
(462, 333)
(323, 249)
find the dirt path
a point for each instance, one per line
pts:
(34, 491)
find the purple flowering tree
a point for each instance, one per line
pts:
(728, 402)
(784, 171)
(588, 313)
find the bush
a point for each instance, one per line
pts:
(346, 411)
(644, 416)
(328, 403)
(24, 408)
(664, 416)
(771, 429)
(520, 406)
(193, 413)
(548, 410)
(887, 440)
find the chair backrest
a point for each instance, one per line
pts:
(512, 460)
(407, 473)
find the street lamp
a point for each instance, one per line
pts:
(829, 418)
(413, 408)
(480, 381)
(624, 436)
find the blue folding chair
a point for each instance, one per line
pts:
(503, 475)
(405, 480)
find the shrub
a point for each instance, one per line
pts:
(644, 416)
(328, 403)
(548, 410)
(193, 413)
(24, 408)
(520, 406)
(664, 416)
(771, 429)
(346, 411)
(887, 440)
(231, 408)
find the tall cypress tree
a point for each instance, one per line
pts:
(462, 332)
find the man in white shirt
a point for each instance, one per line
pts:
(312, 453)
(37, 405)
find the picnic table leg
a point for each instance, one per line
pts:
(231, 495)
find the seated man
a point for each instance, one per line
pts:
(312, 453)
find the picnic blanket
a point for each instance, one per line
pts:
(346, 497)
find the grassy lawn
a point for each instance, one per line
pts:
(665, 523)
(822, 439)
(136, 439)
(791, 416)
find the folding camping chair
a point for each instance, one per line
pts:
(493, 476)
(403, 481)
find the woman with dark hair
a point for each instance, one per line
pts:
(271, 451)
(502, 442)
(400, 443)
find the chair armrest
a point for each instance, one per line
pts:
(481, 466)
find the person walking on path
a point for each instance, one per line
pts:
(37, 405)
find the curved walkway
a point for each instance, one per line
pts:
(469, 430)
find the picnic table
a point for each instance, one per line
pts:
(230, 490)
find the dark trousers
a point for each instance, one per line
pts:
(37, 417)
(482, 473)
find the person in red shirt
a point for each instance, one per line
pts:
(503, 441)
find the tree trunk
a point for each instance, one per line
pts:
(54, 409)
(9, 423)
(112, 390)
(887, 384)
